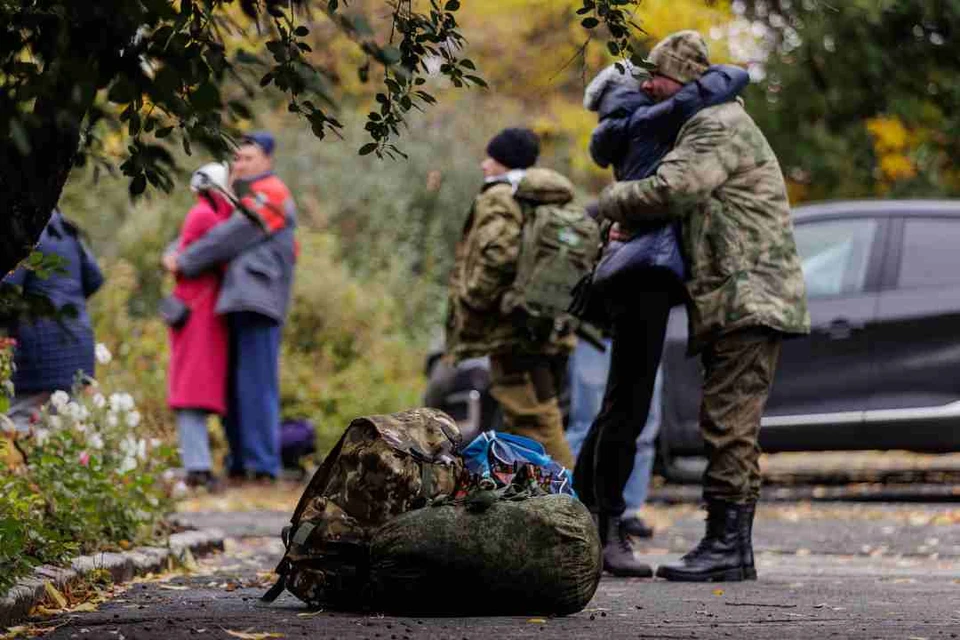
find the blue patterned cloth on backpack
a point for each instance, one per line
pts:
(500, 456)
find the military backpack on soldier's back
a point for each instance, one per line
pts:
(559, 246)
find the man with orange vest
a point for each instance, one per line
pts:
(255, 295)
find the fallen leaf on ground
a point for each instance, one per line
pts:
(174, 587)
(310, 614)
(55, 595)
(86, 607)
(537, 620)
(246, 635)
(718, 592)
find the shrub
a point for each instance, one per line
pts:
(87, 479)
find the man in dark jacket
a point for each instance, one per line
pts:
(746, 291)
(51, 355)
(255, 296)
(634, 134)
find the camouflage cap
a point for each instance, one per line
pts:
(682, 56)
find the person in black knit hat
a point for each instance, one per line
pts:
(514, 148)
(527, 367)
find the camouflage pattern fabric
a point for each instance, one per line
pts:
(724, 181)
(682, 56)
(738, 373)
(534, 556)
(527, 389)
(382, 467)
(485, 267)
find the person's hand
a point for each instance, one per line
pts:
(170, 262)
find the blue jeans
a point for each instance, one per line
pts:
(252, 423)
(194, 441)
(588, 380)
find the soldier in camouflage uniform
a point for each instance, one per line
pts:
(528, 360)
(746, 289)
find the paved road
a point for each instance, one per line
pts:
(839, 585)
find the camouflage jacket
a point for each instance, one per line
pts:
(486, 265)
(724, 181)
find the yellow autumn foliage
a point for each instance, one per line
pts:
(893, 144)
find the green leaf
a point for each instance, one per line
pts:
(613, 48)
(206, 97)
(368, 148)
(301, 31)
(589, 23)
(163, 132)
(452, 5)
(138, 185)
(122, 91)
(333, 5)
(477, 80)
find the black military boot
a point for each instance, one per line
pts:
(724, 554)
(618, 556)
(745, 524)
(636, 527)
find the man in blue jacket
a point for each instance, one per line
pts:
(255, 296)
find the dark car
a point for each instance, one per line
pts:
(881, 368)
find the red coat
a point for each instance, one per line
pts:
(198, 350)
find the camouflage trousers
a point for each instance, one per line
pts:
(528, 388)
(738, 373)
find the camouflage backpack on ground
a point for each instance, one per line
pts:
(558, 246)
(383, 466)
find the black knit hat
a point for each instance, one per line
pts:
(515, 148)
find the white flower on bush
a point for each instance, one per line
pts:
(95, 441)
(155, 442)
(168, 475)
(128, 464)
(59, 399)
(142, 449)
(133, 419)
(55, 422)
(112, 419)
(99, 401)
(179, 489)
(103, 354)
(121, 402)
(72, 410)
(41, 436)
(81, 427)
(6, 424)
(83, 413)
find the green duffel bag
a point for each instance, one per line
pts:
(515, 555)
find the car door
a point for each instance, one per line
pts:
(916, 404)
(825, 380)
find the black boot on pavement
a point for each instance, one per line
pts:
(618, 556)
(726, 551)
(636, 526)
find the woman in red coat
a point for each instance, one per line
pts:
(197, 380)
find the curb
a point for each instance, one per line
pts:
(30, 591)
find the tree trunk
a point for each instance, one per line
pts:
(31, 184)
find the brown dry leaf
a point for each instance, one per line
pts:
(232, 586)
(537, 620)
(718, 592)
(125, 545)
(54, 594)
(85, 607)
(247, 635)
(310, 614)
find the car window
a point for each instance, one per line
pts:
(931, 253)
(835, 255)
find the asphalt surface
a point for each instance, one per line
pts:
(845, 571)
